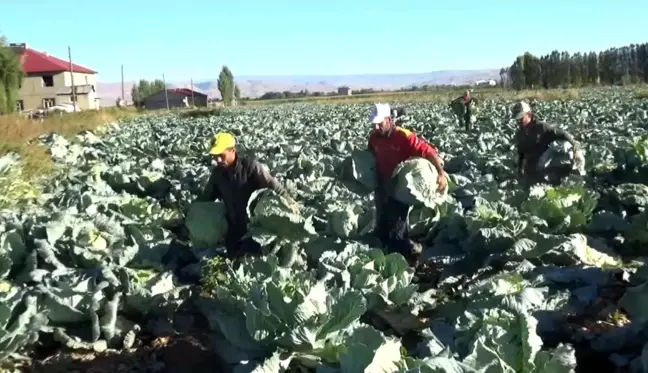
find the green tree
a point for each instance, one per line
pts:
(618, 65)
(642, 56)
(11, 76)
(517, 74)
(532, 71)
(144, 88)
(576, 69)
(237, 92)
(592, 68)
(226, 85)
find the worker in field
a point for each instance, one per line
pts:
(532, 139)
(467, 101)
(391, 144)
(233, 181)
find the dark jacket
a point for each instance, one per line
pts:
(533, 139)
(234, 186)
(462, 100)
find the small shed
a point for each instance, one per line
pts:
(344, 91)
(178, 98)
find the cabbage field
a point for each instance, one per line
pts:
(97, 274)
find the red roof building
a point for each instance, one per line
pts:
(34, 62)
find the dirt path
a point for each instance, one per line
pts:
(171, 354)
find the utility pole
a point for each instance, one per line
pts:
(193, 102)
(123, 96)
(166, 93)
(73, 88)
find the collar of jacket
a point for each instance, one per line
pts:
(529, 125)
(235, 168)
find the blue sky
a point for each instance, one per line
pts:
(194, 38)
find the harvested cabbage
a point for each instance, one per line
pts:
(278, 215)
(206, 223)
(416, 183)
(560, 154)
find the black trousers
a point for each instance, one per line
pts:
(467, 117)
(551, 176)
(391, 227)
(237, 246)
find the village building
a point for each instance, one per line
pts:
(48, 81)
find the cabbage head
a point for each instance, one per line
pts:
(206, 223)
(415, 183)
(560, 154)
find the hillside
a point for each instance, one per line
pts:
(255, 86)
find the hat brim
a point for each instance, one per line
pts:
(376, 120)
(217, 150)
(520, 115)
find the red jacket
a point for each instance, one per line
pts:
(396, 147)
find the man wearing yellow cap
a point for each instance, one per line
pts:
(233, 181)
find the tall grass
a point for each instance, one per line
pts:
(641, 93)
(16, 131)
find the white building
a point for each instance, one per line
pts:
(486, 83)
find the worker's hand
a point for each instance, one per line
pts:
(443, 182)
(578, 156)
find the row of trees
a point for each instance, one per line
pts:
(615, 66)
(144, 88)
(11, 76)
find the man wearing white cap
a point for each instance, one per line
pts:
(391, 145)
(533, 138)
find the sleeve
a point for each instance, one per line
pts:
(418, 147)
(210, 191)
(264, 179)
(553, 133)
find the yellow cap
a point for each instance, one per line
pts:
(222, 141)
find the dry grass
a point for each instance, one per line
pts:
(435, 96)
(641, 93)
(16, 131)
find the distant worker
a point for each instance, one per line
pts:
(532, 139)
(463, 104)
(391, 145)
(233, 181)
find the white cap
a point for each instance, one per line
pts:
(379, 112)
(520, 109)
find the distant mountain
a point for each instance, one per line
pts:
(255, 86)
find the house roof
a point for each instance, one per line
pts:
(35, 62)
(185, 91)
